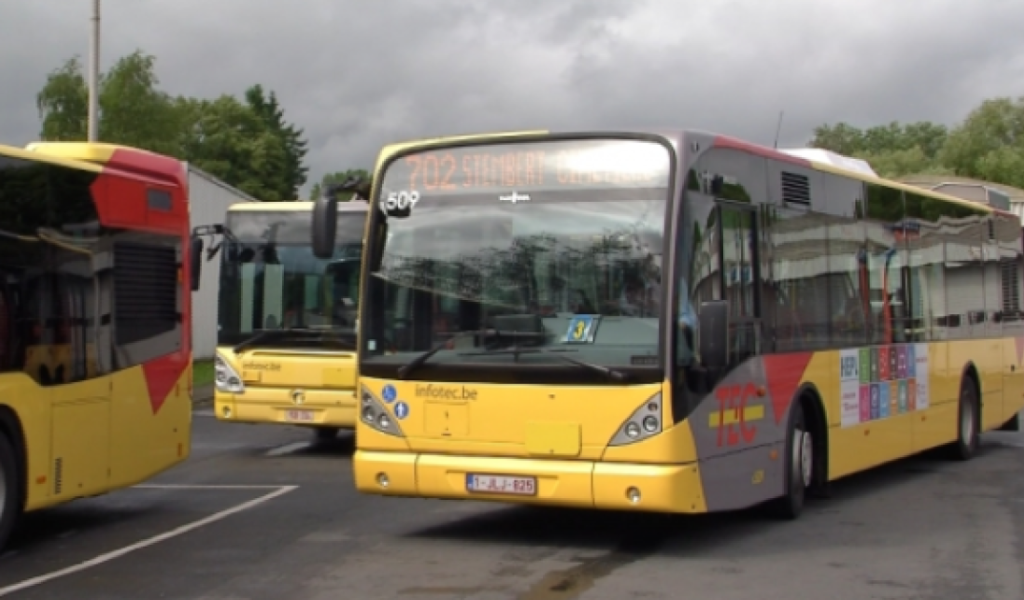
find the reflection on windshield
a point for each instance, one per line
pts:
(449, 268)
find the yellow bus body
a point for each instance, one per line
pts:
(312, 387)
(725, 454)
(109, 426)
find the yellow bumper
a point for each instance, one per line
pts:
(318, 408)
(584, 484)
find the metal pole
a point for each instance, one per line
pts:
(94, 72)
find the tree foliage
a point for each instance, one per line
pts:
(245, 142)
(987, 145)
(337, 177)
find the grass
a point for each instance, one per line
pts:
(202, 372)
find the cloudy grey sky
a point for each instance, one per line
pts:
(359, 73)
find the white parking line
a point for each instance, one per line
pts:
(277, 490)
(288, 449)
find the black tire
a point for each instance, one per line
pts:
(325, 434)
(798, 469)
(968, 429)
(10, 508)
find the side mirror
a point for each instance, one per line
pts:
(196, 261)
(325, 224)
(712, 331)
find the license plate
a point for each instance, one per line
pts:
(302, 416)
(501, 484)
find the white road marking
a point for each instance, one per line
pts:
(288, 449)
(203, 486)
(109, 556)
(206, 412)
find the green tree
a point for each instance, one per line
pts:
(293, 174)
(989, 144)
(231, 142)
(63, 103)
(247, 144)
(892, 150)
(337, 177)
(134, 111)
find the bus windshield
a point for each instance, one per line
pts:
(275, 293)
(555, 246)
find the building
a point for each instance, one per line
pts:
(209, 199)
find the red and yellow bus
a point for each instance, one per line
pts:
(95, 348)
(286, 331)
(670, 322)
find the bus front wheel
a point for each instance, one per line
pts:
(9, 508)
(799, 466)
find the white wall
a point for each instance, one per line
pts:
(209, 199)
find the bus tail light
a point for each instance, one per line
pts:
(225, 377)
(373, 414)
(642, 424)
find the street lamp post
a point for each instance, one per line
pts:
(94, 72)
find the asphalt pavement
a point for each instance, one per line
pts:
(262, 513)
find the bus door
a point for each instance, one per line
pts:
(741, 277)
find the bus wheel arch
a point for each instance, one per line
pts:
(12, 458)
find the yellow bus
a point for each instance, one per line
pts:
(670, 322)
(286, 331)
(95, 322)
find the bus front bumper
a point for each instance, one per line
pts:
(584, 484)
(319, 408)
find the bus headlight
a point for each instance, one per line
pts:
(642, 424)
(375, 416)
(225, 377)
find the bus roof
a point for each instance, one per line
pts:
(292, 206)
(116, 157)
(23, 154)
(808, 160)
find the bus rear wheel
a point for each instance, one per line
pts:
(325, 434)
(968, 437)
(9, 508)
(799, 466)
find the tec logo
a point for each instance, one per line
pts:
(388, 393)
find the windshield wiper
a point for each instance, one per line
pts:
(613, 374)
(265, 333)
(419, 359)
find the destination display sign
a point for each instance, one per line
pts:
(549, 165)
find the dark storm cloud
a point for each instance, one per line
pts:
(356, 75)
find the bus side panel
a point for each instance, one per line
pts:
(1013, 374)
(740, 427)
(146, 440)
(935, 424)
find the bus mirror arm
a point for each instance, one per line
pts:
(713, 328)
(195, 261)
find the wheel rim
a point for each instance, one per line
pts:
(967, 423)
(804, 456)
